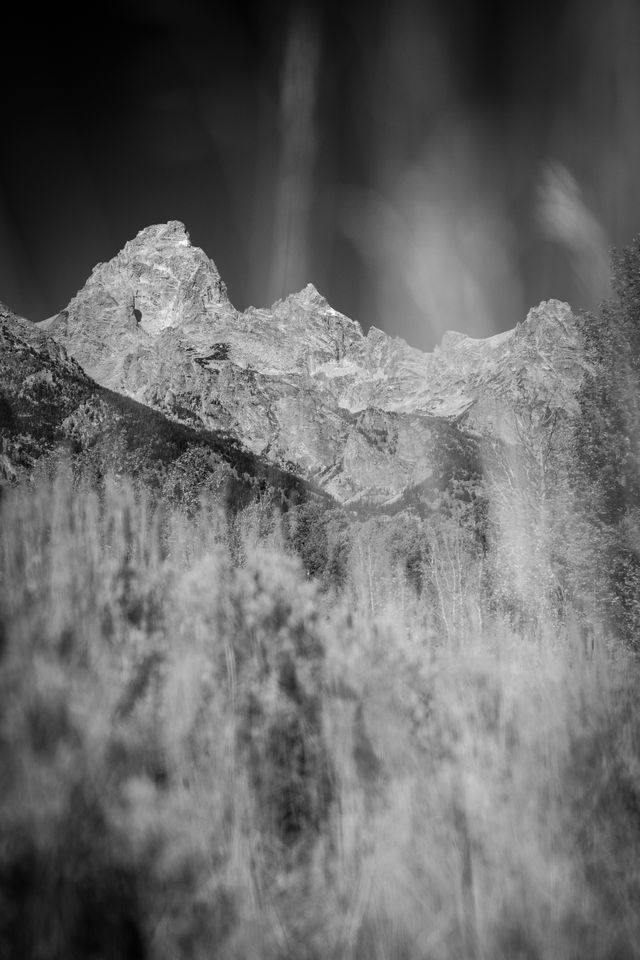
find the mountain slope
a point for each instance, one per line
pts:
(48, 404)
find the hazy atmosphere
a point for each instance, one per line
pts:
(427, 165)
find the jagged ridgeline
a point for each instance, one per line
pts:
(313, 645)
(299, 384)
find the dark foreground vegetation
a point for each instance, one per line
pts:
(277, 734)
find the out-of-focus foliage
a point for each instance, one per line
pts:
(160, 707)
(208, 752)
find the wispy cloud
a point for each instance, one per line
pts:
(565, 219)
(441, 241)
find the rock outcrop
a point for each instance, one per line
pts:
(299, 383)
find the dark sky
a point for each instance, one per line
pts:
(427, 165)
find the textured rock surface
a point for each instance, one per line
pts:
(300, 383)
(40, 386)
(49, 406)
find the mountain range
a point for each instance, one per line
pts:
(297, 387)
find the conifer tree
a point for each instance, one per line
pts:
(607, 443)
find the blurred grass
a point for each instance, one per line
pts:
(204, 754)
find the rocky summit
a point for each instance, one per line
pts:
(300, 383)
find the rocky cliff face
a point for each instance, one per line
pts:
(300, 383)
